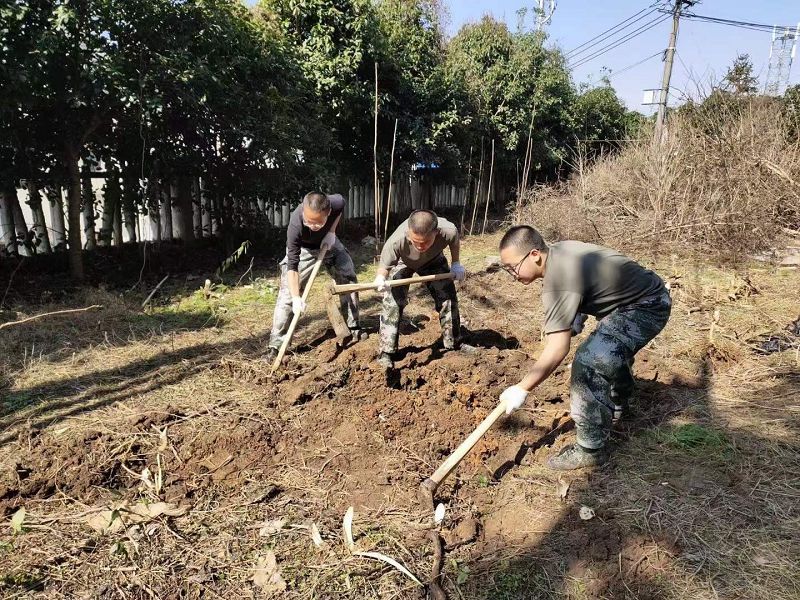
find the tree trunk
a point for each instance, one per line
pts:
(130, 191)
(8, 235)
(42, 240)
(182, 212)
(87, 209)
(197, 209)
(118, 223)
(206, 207)
(111, 199)
(24, 245)
(53, 193)
(74, 214)
(153, 212)
(166, 211)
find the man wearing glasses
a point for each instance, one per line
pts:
(417, 246)
(631, 305)
(312, 226)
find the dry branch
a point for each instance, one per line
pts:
(50, 314)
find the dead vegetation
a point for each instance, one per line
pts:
(157, 459)
(726, 179)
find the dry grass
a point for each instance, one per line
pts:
(727, 178)
(700, 500)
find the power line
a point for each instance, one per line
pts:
(609, 47)
(613, 30)
(634, 65)
(731, 22)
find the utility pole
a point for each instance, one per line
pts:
(669, 57)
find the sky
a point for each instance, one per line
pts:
(704, 50)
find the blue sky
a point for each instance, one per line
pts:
(705, 50)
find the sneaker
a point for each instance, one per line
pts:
(385, 360)
(467, 349)
(576, 457)
(271, 354)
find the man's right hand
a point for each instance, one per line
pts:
(298, 305)
(381, 284)
(513, 397)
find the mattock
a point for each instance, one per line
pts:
(428, 487)
(332, 305)
(293, 325)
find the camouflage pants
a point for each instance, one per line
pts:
(339, 265)
(444, 297)
(602, 381)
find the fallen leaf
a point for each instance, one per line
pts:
(389, 560)
(271, 527)
(267, 575)
(438, 515)
(563, 488)
(315, 536)
(162, 440)
(18, 520)
(347, 527)
(115, 519)
(586, 513)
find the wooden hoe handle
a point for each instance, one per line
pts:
(458, 455)
(360, 287)
(296, 318)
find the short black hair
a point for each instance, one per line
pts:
(524, 238)
(317, 201)
(423, 222)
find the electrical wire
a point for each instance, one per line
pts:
(607, 48)
(634, 65)
(764, 27)
(613, 30)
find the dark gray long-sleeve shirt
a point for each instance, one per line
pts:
(299, 236)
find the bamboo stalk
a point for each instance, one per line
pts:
(375, 168)
(391, 182)
(466, 192)
(477, 191)
(488, 193)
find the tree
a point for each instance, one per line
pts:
(739, 80)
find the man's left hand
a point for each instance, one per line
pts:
(458, 271)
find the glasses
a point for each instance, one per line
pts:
(514, 271)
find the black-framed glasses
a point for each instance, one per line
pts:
(514, 271)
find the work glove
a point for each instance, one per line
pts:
(577, 323)
(458, 271)
(328, 241)
(513, 397)
(380, 284)
(298, 305)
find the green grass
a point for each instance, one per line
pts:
(694, 439)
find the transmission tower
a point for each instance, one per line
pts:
(544, 13)
(781, 53)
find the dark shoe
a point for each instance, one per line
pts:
(271, 354)
(576, 457)
(385, 360)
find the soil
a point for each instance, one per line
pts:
(368, 437)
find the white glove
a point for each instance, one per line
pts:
(577, 323)
(328, 240)
(513, 396)
(298, 305)
(458, 271)
(380, 284)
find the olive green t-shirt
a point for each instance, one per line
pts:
(593, 280)
(397, 247)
